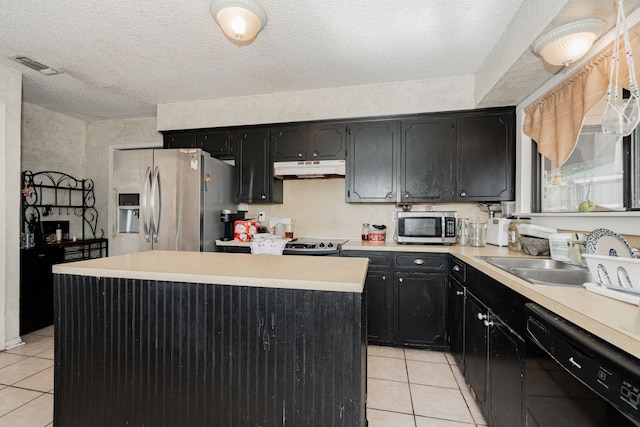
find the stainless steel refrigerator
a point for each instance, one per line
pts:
(168, 200)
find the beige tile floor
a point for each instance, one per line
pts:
(26, 382)
(406, 387)
(417, 388)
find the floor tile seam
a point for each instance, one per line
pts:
(24, 404)
(385, 357)
(387, 379)
(473, 424)
(413, 409)
(432, 385)
(30, 389)
(29, 376)
(391, 411)
(427, 361)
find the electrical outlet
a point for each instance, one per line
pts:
(261, 217)
(394, 217)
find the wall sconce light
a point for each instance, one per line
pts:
(240, 20)
(568, 43)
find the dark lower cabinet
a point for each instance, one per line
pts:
(406, 298)
(419, 308)
(455, 320)
(492, 357)
(476, 348)
(379, 314)
(505, 385)
(36, 286)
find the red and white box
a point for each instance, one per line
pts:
(243, 230)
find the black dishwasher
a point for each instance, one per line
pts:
(576, 379)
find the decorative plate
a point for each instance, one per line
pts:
(607, 243)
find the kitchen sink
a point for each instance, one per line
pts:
(542, 271)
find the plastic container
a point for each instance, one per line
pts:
(365, 231)
(463, 231)
(378, 233)
(559, 246)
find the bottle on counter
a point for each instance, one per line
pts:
(514, 236)
(463, 231)
(58, 234)
(365, 231)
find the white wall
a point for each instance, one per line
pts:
(440, 94)
(11, 99)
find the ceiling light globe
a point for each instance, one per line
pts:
(568, 43)
(240, 20)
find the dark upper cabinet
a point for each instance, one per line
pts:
(372, 161)
(327, 141)
(289, 143)
(215, 142)
(427, 154)
(179, 139)
(255, 181)
(322, 141)
(485, 169)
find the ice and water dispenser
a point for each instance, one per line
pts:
(129, 213)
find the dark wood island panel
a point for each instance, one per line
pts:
(158, 353)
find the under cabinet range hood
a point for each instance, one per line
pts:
(309, 169)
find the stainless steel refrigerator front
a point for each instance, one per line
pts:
(168, 200)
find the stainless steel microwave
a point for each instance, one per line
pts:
(426, 227)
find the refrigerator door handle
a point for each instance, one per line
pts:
(156, 190)
(145, 205)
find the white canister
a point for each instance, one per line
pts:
(559, 246)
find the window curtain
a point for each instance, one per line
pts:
(554, 121)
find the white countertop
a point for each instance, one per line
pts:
(271, 271)
(612, 320)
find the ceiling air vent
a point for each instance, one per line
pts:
(35, 65)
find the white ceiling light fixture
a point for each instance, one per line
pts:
(568, 43)
(240, 20)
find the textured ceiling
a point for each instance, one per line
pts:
(123, 57)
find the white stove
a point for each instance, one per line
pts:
(306, 246)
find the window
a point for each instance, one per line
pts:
(603, 169)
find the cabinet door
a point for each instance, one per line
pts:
(186, 139)
(419, 309)
(327, 141)
(486, 156)
(476, 348)
(427, 159)
(455, 321)
(36, 286)
(379, 293)
(217, 143)
(372, 162)
(506, 376)
(289, 143)
(253, 168)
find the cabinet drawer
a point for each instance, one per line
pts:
(377, 260)
(458, 270)
(421, 262)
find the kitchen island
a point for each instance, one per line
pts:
(209, 339)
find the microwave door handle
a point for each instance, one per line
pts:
(443, 227)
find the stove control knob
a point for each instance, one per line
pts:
(330, 245)
(321, 245)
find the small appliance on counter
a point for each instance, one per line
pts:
(498, 231)
(229, 217)
(424, 227)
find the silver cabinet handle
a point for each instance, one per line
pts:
(418, 261)
(488, 323)
(456, 268)
(459, 293)
(315, 154)
(299, 154)
(384, 278)
(401, 280)
(264, 196)
(482, 316)
(463, 194)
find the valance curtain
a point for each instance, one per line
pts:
(554, 121)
